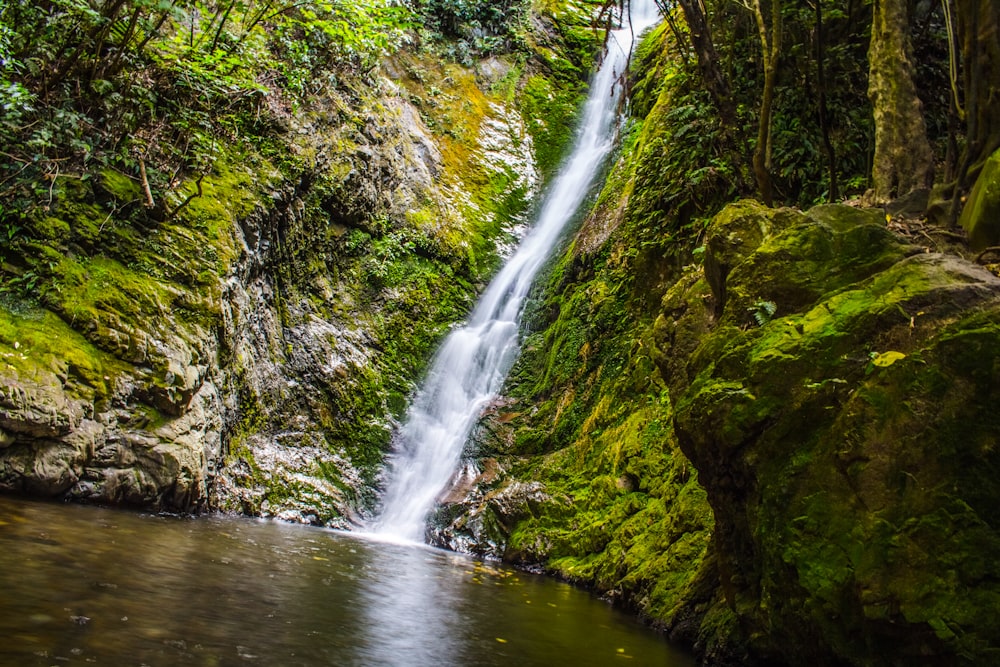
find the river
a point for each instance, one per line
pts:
(83, 585)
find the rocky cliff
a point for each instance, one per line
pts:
(245, 340)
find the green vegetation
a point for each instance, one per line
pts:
(152, 89)
(237, 197)
(851, 411)
(771, 432)
(36, 344)
(791, 359)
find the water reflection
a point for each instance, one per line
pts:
(410, 600)
(84, 585)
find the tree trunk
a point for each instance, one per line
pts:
(770, 45)
(978, 23)
(824, 114)
(903, 161)
(708, 61)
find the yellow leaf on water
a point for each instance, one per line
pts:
(502, 641)
(319, 558)
(884, 359)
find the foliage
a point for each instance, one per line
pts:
(470, 28)
(763, 311)
(822, 124)
(150, 87)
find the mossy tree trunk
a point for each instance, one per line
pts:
(903, 161)
(978, 24)
(770, 45)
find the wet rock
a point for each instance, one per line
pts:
(481, 509)
(37, 407)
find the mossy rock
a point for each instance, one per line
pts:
(847, 443)
(794, 268)
(733, 235)
(981, 215)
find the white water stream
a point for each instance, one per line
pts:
(474, 360)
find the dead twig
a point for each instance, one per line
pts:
(52, 187)
(189, 198)
(145, 184)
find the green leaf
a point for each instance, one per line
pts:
(884, 359)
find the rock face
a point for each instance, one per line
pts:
(839, 410)
(249, 354)
(76, 425)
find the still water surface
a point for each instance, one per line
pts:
(85, 585)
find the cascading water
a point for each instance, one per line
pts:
(474, 360)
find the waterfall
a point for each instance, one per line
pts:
(474, 360)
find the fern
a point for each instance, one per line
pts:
(763, 311)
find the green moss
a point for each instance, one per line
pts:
(35, 343)
(54, 229)
(979, 216)
(120, 186)
(228, 195)
(551, 110)
(868, 482)
(505, 88)
(637, 524)
(625, 512)
(85, 288)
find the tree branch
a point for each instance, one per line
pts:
(189, 198)
(145, 184)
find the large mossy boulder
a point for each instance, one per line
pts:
(838, 397)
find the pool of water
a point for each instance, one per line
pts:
(85, 585)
